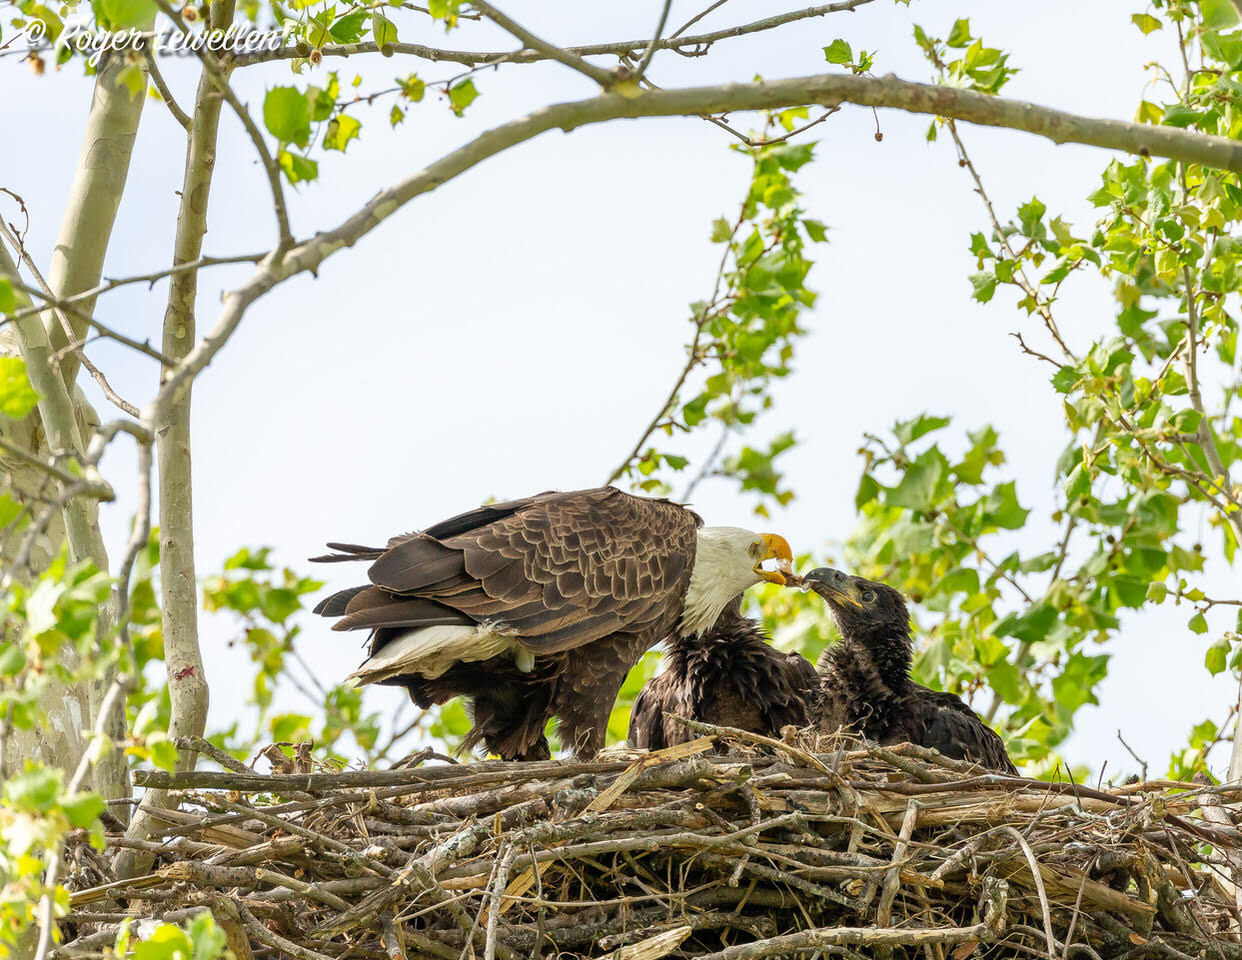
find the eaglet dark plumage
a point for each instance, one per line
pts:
(537, 608)
(865, 683)
(729, 676)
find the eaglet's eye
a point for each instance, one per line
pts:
(868, 597)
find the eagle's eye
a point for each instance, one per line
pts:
(754, 550)
(868, 596)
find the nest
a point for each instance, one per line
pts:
(731, 846)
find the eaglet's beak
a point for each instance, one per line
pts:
(831, 585)
(774, 547)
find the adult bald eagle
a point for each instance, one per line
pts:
(865, 681)
(729, 676)
(538, 608)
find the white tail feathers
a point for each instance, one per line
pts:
(429, 651)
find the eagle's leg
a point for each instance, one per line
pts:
(510, 721)
(588, 690)
(583, 723)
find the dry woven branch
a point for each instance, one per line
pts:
(770, 849)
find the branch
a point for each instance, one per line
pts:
(827, 90)
(94, 198)
(113, 283)
(220, 74)
(74, 343)
(641, 70)
(165, 94)
(97, 488)
(1041, 304)
(187, 681)
(605, 78)
(701, 43)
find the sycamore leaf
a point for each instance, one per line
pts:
(287, 116)
(17, 397)
(838, 52)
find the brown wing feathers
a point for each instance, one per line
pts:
(558, 570)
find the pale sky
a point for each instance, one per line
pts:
(515, 330)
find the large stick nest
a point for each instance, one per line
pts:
(726, 847)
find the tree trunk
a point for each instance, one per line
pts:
(65, 420)
(187, 684)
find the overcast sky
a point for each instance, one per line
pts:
(515, 330)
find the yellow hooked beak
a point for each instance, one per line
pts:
(774, 547)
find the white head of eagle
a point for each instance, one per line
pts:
(727, 560)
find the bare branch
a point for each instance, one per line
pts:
(221, 76)
(625, 48)
(97, 488)
(605, 78)
(696, 18)
(165, 94)
(641, 70)
(74, 344)
(828, 90)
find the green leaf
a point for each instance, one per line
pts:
(1198, 624)
(960, 36)
(1180, 115)
(1156, 592)
(208, 939)
(838, 52)
(1145, 22)
(1003, 509)
(412, 88)
(1217, 657)
(287, 116)
(83, 809)
(123, 14)
(17, 397)
(165, 942)
(133, 79)
(1065, 379)
(348, 29)
(462, 95)
(8, 296)
(815, 230)
(12, 660)
(35, 790)
(291, 727)
(1030, 216)
(917, 488)
(984, 284)
(341, 129)
(907, 431)
(297, 167)
(443, 9)
(163, 753)
(383, 30)
(396, 115)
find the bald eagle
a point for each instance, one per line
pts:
(865, 683)
(729, 676)
(538, 608)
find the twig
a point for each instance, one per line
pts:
(605, 78)
(165, 94)
(699, 43)
(641, 70)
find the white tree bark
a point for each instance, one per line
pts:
(187, 683)
(65, 421)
